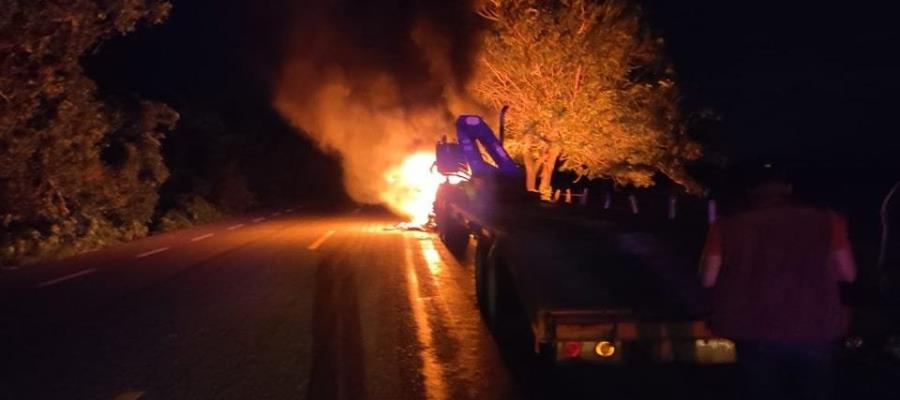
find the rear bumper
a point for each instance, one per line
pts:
(617, 337)
(658, 351)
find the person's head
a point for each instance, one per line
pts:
(766, 182)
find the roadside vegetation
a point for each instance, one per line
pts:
(76, 171)
(87, 163)
(590, 92)
(84, 163)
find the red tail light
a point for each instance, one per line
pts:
(572, 349)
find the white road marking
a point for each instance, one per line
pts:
(233, 227)
(203, 237)
(66, 278)
(356, 211)
(260, 219)
(152, 252)
(129, 396)
(275, 214)
(319, 241)
(90, 251)
(289, 210)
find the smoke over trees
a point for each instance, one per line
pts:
(588, 84)
(376, 81)
(371, 82)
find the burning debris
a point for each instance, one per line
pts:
(408, 226)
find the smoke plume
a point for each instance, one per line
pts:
(376, 81)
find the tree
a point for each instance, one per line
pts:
(589, 88)
(74, 171)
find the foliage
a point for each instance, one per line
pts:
(588, 84)
(188, 210)
(244, 160)
(75, 172)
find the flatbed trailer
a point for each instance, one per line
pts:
(592, 288)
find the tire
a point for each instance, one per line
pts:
(482, 250)
(503, 312)
(546, 357)
(454, 235)
(499, 294)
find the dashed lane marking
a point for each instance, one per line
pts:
(203, 237)
(66, 278)
(152, 252)
(315, 245)
(289, 210)
(233, 227)
(260, 219)
(275, 214)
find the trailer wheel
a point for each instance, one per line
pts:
(502, 310)
(454, 234)
(482, 252)
(546, 357)
(499, 294)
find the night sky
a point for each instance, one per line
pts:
(802, 81)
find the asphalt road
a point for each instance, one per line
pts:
(278, 306)
(286, 305)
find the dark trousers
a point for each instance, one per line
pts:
(786, 370)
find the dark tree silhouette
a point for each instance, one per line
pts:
(75, 171)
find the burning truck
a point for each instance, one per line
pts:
(582, 289)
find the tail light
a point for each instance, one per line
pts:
(605, 349)
(572, 349)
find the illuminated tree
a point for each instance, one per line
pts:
(75, 171)
(589, 88)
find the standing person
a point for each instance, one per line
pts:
(774, 269)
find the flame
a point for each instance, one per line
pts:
(412, 187)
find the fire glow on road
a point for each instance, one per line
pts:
(438, 302)
(435, 386)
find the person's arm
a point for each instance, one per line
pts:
(711, 261)
(841, 257)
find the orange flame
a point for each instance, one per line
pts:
(412, 187)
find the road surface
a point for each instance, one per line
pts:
(286, 305)
(279, 306)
